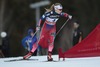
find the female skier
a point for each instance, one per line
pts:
(48, 30)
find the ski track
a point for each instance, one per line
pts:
(69, 62)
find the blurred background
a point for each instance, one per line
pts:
(16, 16)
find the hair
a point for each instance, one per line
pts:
(52, 7)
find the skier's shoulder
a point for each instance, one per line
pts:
(49, 13)
(25, 38)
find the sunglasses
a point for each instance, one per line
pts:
(60, 9)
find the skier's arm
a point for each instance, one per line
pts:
(40, 21)
(27, 45)
(23, 42)
(66, 15)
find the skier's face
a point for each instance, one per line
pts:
(32, 34)
(58, 11)
(58, 8)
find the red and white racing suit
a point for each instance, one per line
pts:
(48, 30)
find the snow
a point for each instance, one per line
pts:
(69, 62)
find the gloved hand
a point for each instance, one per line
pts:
(69, 16)
(37, 28)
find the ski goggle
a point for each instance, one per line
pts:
(58, 7)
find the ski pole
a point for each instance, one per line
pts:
(62, 26)
(34, 33)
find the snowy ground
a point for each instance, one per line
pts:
(69, 62)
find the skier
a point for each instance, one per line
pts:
(48, 30)
(29, 41)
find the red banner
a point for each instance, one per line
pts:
(89, 47)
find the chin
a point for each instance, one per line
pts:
(58, 12)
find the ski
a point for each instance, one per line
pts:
(21, 60)
(51, 61)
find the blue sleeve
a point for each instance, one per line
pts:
(24, 41)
